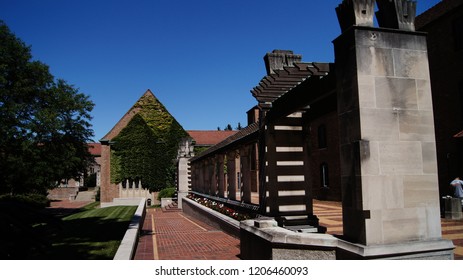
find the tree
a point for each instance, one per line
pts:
(44, 122)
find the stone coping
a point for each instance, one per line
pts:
(281, 237)
(128, 246)
(267, 229)
(278, 235)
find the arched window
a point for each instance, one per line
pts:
(324, 175)
(322, 143)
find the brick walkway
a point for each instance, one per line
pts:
(180, 237)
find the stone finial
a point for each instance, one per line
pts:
(355, 12)
(278, 59)
(397, 14)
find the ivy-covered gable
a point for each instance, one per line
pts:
(146, 148)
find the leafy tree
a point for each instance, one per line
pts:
(44, 122)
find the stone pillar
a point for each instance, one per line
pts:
(387, 141)
(220, 175)
(231, 175)
(183, 187)
(245, 175)
(285, 171)
(210, 187)
(214, 181)
(108, 190)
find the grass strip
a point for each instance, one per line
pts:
(91, 234)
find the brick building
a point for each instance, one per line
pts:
(443, 24)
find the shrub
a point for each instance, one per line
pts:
(167, 192)
(33, 200)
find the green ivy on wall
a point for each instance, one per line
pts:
(147, 147)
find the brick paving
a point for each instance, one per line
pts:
(180, 237)
(330, 215)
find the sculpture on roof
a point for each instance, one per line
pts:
(397, 14)
(355, 12)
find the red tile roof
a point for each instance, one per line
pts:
(210, 137)
(94, 149)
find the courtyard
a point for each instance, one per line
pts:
(177, 236)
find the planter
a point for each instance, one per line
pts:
(211, 217)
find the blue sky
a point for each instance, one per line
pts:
(200, 58)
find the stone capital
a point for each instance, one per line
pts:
(397, 14)
(355, 13)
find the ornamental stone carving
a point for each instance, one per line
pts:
(397, 14)
(355, 13)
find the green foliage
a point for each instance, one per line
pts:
(167, 193)
(198, 149)
(44, 122)
(89, 234)
(147, 147)
(93, 234)
(32, 200)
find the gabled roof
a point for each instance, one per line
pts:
(145, 105)
(210, 137)
(243, 135)
(123, 121)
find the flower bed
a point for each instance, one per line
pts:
(220, 207)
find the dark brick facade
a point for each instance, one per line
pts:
(444, 26)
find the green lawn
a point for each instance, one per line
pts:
(91, 234)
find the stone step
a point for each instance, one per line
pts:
(172, 207)
(85, 196)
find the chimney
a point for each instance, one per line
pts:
(278, 59)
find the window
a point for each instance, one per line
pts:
(322, 143)
(324, 176)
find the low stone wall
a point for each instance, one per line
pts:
(128, 246)
(68, 193)
(211, 217)
(263, 239)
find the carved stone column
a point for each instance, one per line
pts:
(387, 141)
(245, 174)
(397, 14)
(231, 175)
(220, 176)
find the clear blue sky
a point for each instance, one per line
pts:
(200, 58)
